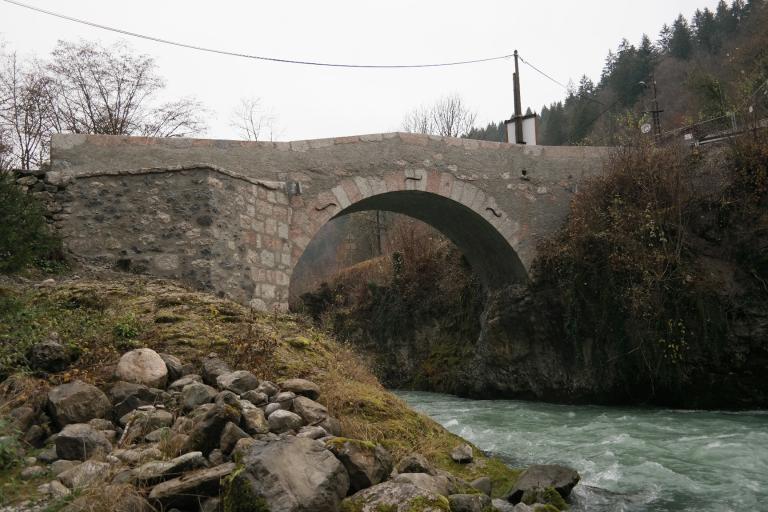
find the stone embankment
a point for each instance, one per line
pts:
(169, 436)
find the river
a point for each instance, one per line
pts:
(630, 459)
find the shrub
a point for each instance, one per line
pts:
(24, 234)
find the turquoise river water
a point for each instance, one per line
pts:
(630, 459)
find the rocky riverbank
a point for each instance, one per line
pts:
(282, 419)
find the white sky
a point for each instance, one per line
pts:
(565, 38)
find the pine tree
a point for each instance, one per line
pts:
(681, 42)
(705, 29)
(665, 35)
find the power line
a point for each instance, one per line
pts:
(250, 56)
(543, 73)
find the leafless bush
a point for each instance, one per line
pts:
(448, 117)
(253, 121)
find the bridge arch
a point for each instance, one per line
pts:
(469, 217)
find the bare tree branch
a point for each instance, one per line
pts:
(252, 121)
(448, 116)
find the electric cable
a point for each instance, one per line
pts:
(251, 56)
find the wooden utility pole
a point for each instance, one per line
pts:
(518, 105)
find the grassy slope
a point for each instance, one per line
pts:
(103, 316)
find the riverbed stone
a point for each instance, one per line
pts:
(49, 355)
(143, 366)
(561, 478)
(268, 388)
(213, 366)
(186, 490)
(462, 454)
(483, 484)
(257, 398)
(415, 463)
(90, 472)
(196, 394)
(310, 411)
(179, 383)
(206, 434)
(437, 484)
(469, 502)
(254, 421)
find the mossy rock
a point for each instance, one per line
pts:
(545, 496)
(300, 342)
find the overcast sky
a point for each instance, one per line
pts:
(565, 38)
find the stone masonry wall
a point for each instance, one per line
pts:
(234, 216)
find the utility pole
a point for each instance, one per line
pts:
(656, 112)
(518, 105)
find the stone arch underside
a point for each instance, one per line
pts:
(466, 215)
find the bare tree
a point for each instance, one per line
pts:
(252, 121)
(112, 91)
(25, 111)
(448, 116)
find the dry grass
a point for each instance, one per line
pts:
(104, 316)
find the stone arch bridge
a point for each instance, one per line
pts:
(234, 217)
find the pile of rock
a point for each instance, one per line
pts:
(51, 192)
(221, 439)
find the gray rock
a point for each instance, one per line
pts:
(21, 418)
(229, 438)
(282, 421)
(54, 489)
(140, 422)
(60, 466)
(101, 424)
(212, 505)
(415, 463)
(179, 384)
(128, 396)
(254, 421)
(469, 502)
(49, 355)
(242, 447)
(301, 387)
(270, 408)
(504, 506)
(312, 432)
(77, 402)
(176, 368)
(138, 455)
(366, 463)
(196, 394)
(396, 496)
(83, 475)
(238, 382)
(185, 491)
(156, 471)
(284, 399)
(268, 388)
(257, 398)
(31, 472)
(206, 434)
(563, 479)
(294, 475)
(216, 457)
(483, 484)
(462, 454)
(143, 366)
(158, 435)
(48, 455)
(228, 398)
(79, 441)
(212, 368)
(436, 484)
(310, 411)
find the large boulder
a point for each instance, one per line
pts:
(176, 368)
(77, 402)
(302, 387)
(238, 382)
(155, 471)
(189, 489)
(310, 411)
(541, 476)
(367, 463)
(229, 438)
(254, 421)
(396, 497)
(291, 475)
(80, 441)
(143, 366)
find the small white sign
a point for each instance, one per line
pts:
(646, 128)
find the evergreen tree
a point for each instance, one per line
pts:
(706, 30)
(681, 42)
(665, 36)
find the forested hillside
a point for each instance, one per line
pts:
(704, 67)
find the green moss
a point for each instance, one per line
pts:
(545, 508)
(167, 318)
(422, 504)
(546, 496)
(239, 495)
(300, 342)
(337, 443)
